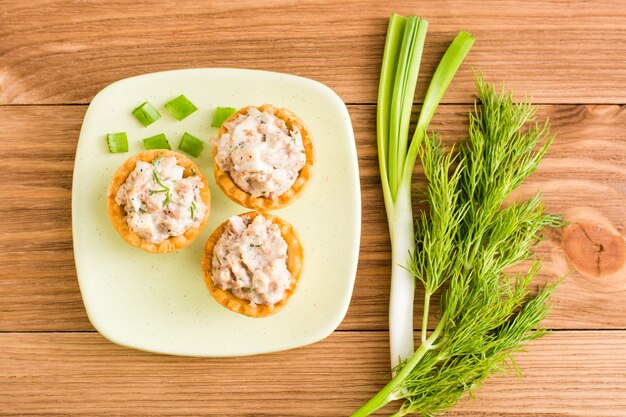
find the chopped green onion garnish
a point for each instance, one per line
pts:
(146, 114)
(157, 142)
(221, 114)
(180, 107)
(117, 142)
(191, 144)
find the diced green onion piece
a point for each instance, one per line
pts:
(117, 142)
(180, 107)
(191, 145)
(221, 114)
(146, 114)
(157, 142)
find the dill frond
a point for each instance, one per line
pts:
(465, 245)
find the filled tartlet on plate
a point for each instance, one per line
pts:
(252, 263)
(158, 201)
(263, 157)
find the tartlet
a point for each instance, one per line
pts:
(117, 213)
(242, 197)
(294, 261)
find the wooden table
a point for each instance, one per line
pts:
(55, 55)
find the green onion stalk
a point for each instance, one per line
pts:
(397, 156)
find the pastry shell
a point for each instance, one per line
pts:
(295, 259)
(242, 197)
(117, 214)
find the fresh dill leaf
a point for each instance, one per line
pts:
(465, 245)
(156, 178)
(156, 161)
(151, 192)
(168, 198)
(437, 233)
(165, 189)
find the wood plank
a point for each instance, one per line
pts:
(584, 175)
(38, 283)
(64, 52)
(568, 373)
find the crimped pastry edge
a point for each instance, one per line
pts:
(241, 197)
(117, 214)
(295, 261)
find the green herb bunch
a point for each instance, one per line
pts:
(464, 246)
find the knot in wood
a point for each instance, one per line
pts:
(594, 250)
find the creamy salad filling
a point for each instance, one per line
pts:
(262, 156)
(159, 202)
(250, 260)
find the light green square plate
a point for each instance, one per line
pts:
(158, 302)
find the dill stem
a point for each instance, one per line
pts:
(425, 316)
(388, 393)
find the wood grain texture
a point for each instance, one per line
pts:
(77, 374)
(66, 51)
(567, 54)
(38, 287)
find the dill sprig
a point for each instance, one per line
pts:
(465, 245)
(165, 189)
